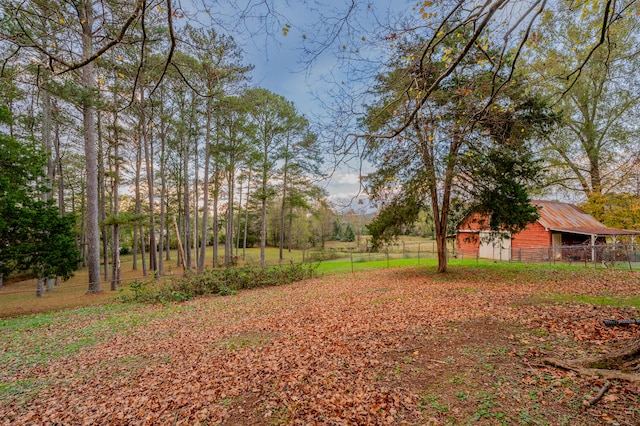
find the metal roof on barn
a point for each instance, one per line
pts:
(563, 217)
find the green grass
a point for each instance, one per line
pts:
(614, 301)
(38, 339)
(341, 266)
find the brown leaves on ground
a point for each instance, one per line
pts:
(385, 347)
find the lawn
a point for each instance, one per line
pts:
(388, 346)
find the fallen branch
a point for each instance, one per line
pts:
(593, 401)
(593, 372)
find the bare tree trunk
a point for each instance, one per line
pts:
(143, 258)
(47, 144)
(134, 248)
(40, 287)
(216, 192)
(163, 195)
(263, 207)
(137, 231)
(115, 189)
(83, 226)
(90, 149)
(205, 194)
(186, 219)
(246, 217)
(290, 236)
(180, 250)
(102, 204)
(239, 216)
(195, 234)
(153, 264)
(60, 176)
(283, 205)
(228, 241)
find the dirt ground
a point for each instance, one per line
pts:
(398, 346)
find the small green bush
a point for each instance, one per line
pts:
(218, 281)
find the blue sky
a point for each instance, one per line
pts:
(284, 65)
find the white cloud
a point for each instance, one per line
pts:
(349, 178)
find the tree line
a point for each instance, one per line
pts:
(470, 108)
(156, 141)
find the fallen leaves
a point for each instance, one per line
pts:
(334, 350)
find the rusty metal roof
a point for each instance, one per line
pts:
(556, 215)
(563, 217)
(600, 232)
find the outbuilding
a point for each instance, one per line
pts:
(562, 232)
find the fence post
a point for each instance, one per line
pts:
(403, 249)
(387, 256)
(418, 253)
(352, 260)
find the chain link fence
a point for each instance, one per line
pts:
(610, 256)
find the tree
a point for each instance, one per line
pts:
(272, 115)
(237, 137)
(50, 248)
(349, 235)
(300, 154)
(21, 165)
(454, 145)
(590, 153)
(33, 235)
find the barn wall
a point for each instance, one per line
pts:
(475, 222)
(534, 235)
(467, 243)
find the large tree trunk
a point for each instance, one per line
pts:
(90, 149)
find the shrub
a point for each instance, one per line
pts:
(219, 281)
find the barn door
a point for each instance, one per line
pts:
(492, 247)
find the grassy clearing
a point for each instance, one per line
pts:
(41, 338)
(18, 298)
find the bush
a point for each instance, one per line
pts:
(220, 282)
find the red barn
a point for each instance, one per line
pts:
(562, 231)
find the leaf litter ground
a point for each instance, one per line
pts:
(399, 346)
